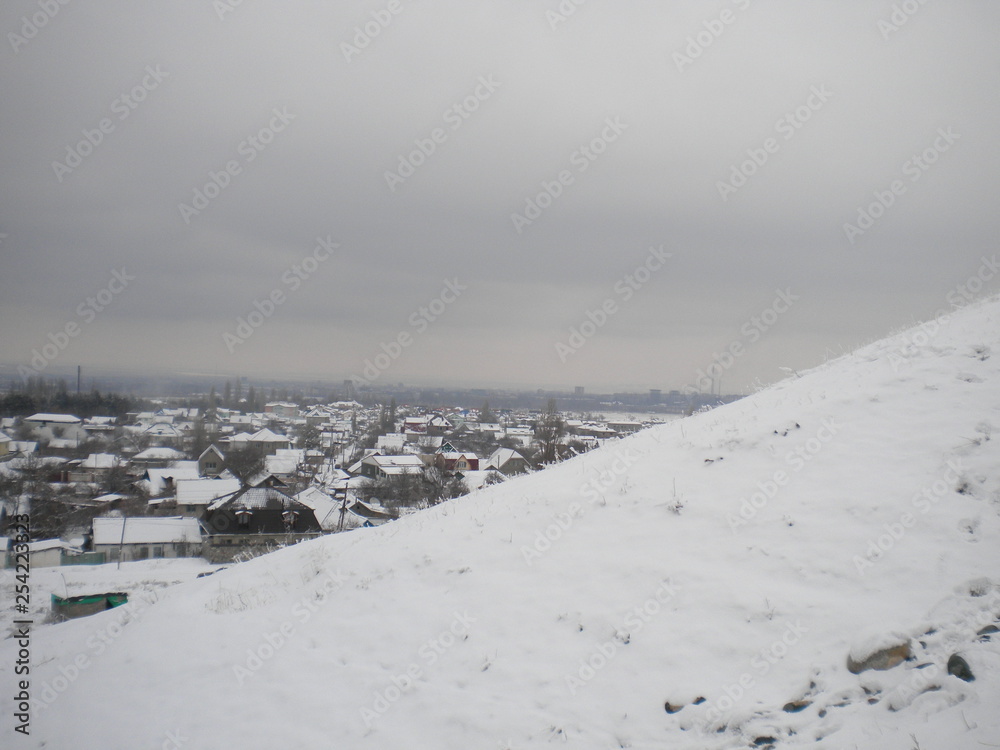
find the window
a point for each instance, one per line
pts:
(157, 551)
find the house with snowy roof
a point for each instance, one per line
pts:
(256, 517)
(164, 434)
(191, 497)
(377, 466)
(95, 468)
(454, 461)
(156, 457)
(211, 462)
(49, 553)
(282, 409)
(507, 461)
(161, 482)
(264, 440)
(145, 537)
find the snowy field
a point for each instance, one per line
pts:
(699, 585)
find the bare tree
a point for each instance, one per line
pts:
(548, 431)
(245, 463)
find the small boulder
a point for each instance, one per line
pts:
(960, 668)
(881, 659)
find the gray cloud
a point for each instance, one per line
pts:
(657, 183)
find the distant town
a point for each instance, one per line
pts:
(244, 469)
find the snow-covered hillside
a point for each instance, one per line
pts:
(698, 585)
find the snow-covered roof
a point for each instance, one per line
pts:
(157, 478)
(144, 530)
(162, 430)
(280, 465)
(56, 418)
(256, 498)
(501, 456)
(108, 498)
(100, 461)
(47, 544)
(4, 438)
(158, 454)
(204, 491)
(211, 449)
(267, 436)
(324, 507)
(63, 443)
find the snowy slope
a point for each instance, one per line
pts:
(738, 556)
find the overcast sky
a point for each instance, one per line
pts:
(823, 104)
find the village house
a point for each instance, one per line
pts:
(49, 553)
(282, 409)
(376, 466)
(507, 461)
(256, 517)
(211, 462)
(144, 538)
(57, 427)
(156, 458)
(193, 496)
(160, 482)
(94, 469)
(453, 461)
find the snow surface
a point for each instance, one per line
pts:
(736, 556)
